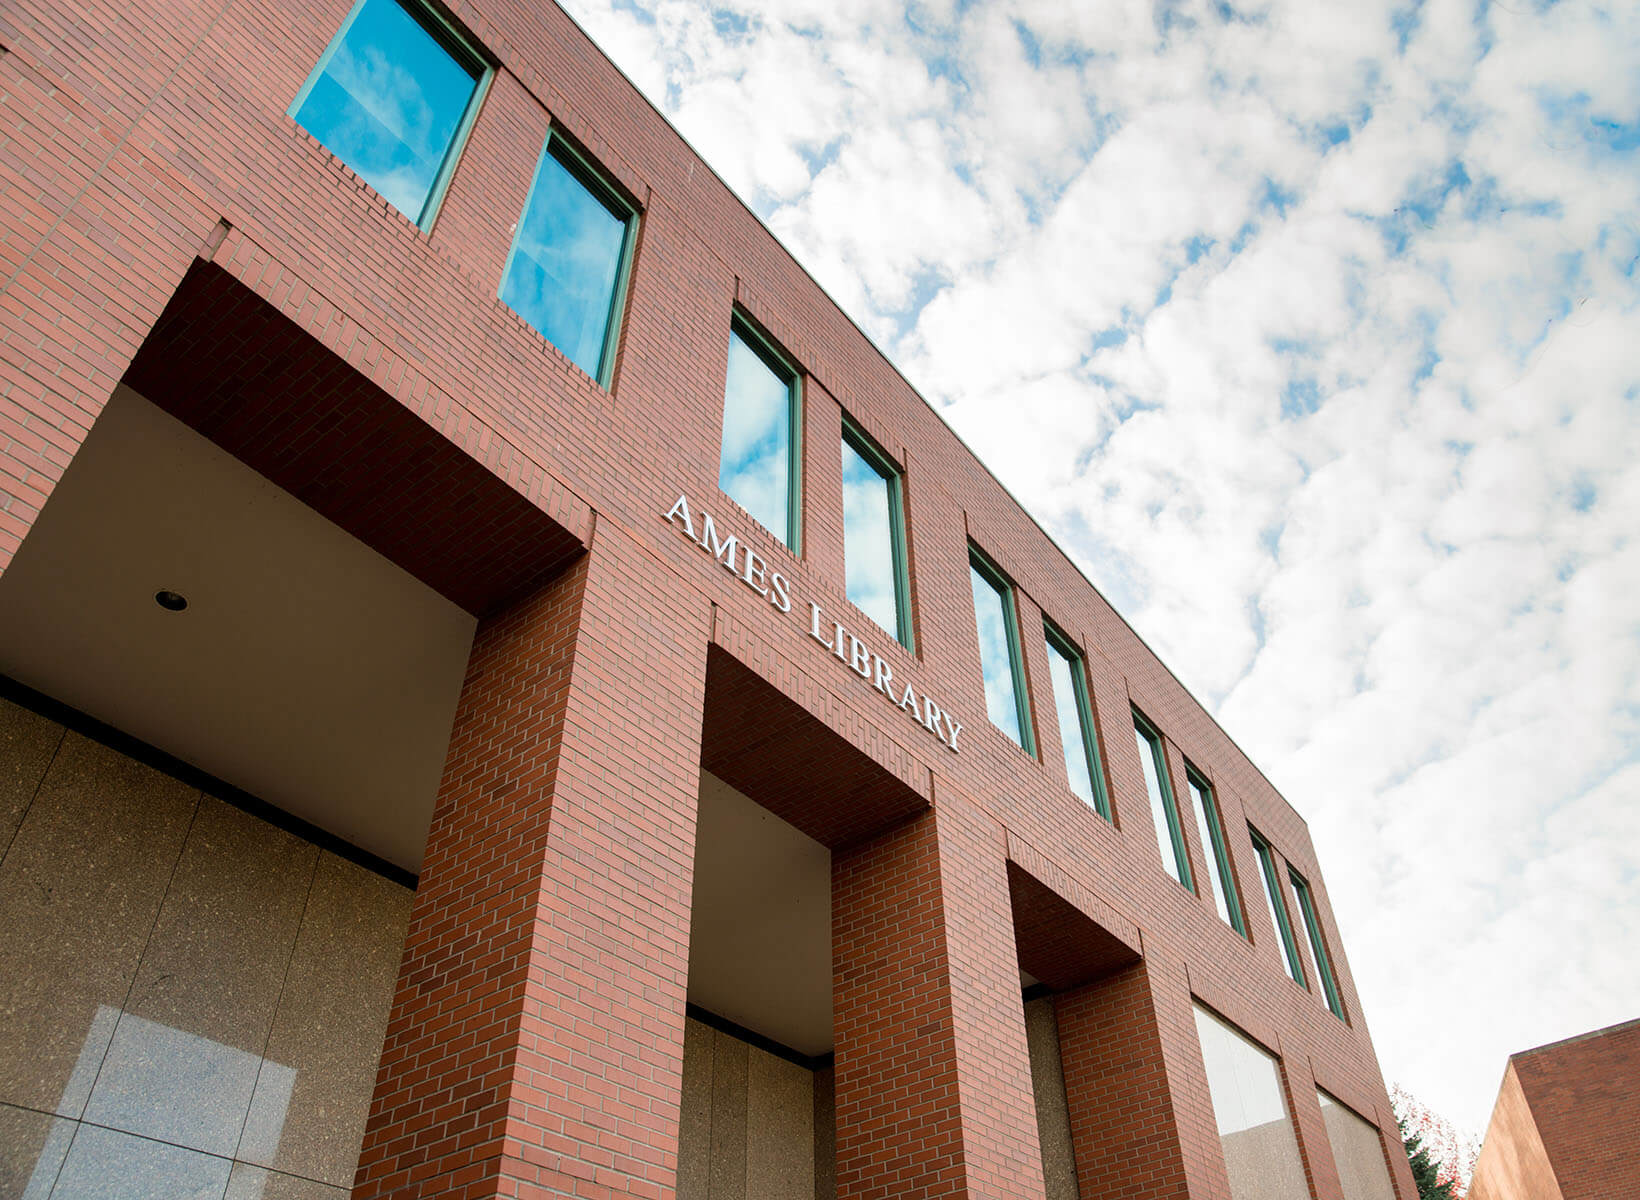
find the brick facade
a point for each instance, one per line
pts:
(163, 211)
(1566, 1125)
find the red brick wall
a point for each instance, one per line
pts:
(138, 138)
(1567, 1114)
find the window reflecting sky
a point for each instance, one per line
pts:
(1149, 752)
(1199, 801)
(995, 655)
(1310, 944)
(868, 541)
(562, 272)
(1278, 918)
(388, 102)
(756, 464)
(1070, 722)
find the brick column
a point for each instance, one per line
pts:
(1123, 1127)
(933, 1075)
(536, 1042)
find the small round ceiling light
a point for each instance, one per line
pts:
(170, 601)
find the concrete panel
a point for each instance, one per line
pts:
(779, 1128)
(1053, 1120)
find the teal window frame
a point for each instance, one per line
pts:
(589, 175)
(1170, 803)
(1318, 948)
(993, 575)
(1278, 907)
(782, 364)
(454, 43)
(1058, 641)
(858, 440)
(1217, 848)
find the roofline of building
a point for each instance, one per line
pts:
(1581, 1037)
(917, 392)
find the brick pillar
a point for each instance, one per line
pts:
(933, 1076)
(1123, 1127)
(535, 1046)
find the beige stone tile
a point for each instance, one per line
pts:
(825, 1134)
(695, 1113)
(79, 891)
(728, 1178)
(104, 1164)
(188, 1049)
(779, 1128)
(329, 1027)
(32, 1147)
(1053, 1121)
(27, 743)
(259, 1183)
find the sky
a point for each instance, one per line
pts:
(1312, 333)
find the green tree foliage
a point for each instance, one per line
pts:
(1425, 1169)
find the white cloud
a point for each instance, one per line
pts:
(1315, 333)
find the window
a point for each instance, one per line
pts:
(1206, 807)
(567, 269)
(874, 535)
(1357, 1152)
(1255, 1132)
(999, 654)
(1318, 948)
(393, 97)
(1169, 834)
(1076, 732)
(761, 443)
(1278, 910)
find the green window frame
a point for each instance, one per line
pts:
(1082, 699)
(1318, 948)
(560, 149)
(860, 442)
(1205, 802)
(461, 50)
(769, 353)
(1164, 807)
(981, 567)
(1278, 907)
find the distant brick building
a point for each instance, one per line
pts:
(1567, 1122)
(510, 694)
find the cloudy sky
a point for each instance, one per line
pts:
(1312, 331)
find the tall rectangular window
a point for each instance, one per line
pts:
(1211, 829)
(393, 97)
(567, 269)
(874, 535)
(761, 443)
(1318, 948)
(1163, 810)
(1076, 730)
(1278, 911)
(1255, 1129)
(999, 653)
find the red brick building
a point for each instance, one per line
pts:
(1566, 1125)
(510, 694)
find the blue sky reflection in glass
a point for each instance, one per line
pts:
(996, 655)
(755, 469)
(565, 263)
(388, 100)
(868, 540)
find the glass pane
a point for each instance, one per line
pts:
(1149, 756)
(1260, 1149)
(1071, 734)
(1357, 1152)
(1278, 918)
(757, 438)
(387, 102)
(1317, 947)
(996, 655)
(868, 540)
(564, 263)
(1199, 800)
(1303, 942)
